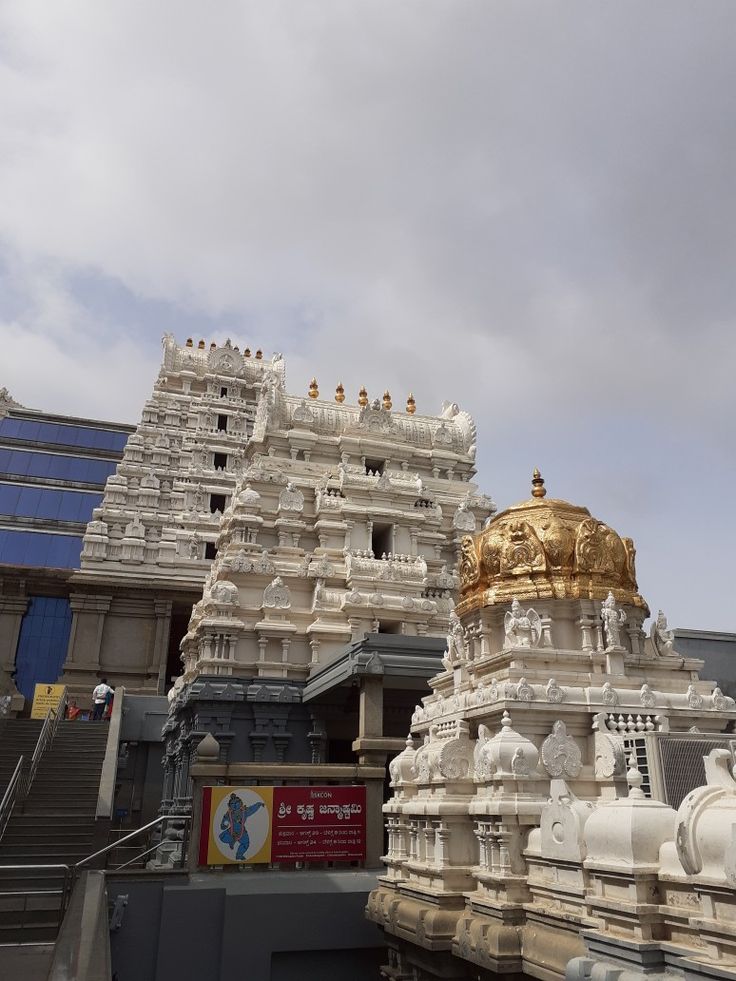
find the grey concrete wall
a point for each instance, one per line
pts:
(718, 650)
(268, 926)
(140, 771)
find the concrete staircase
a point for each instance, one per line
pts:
(18, 737)
(54, 825)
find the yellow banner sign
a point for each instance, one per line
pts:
(46, 697)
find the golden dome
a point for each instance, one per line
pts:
(546, 548)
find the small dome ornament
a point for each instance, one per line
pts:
(411, 405)
(200, 346)
(313, 389)
(246, 352)
(190, 342)
(340, 393)
(362, 397)
(387, 403)
(259, 354)
(538, 488)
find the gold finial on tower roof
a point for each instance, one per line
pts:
(340, 393)
(538, 488)
(387, 403)
(362, 397)
(313, 389)
(411, 405)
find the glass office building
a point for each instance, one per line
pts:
(52, 476)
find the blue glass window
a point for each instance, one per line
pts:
(28, 463)
(35, 430)
(47, 502)
(44, 638)
(39, 548)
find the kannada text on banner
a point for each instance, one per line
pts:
(282, 824)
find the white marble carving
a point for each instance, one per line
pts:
(522, 629)
(613, 619)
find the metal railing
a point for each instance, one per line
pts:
(180, 835)
(63, 892)
(45, 738)
(9, 797)
(20, 783)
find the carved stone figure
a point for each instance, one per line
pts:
(456, 650)
(661, 637)
(554, 692)
(613, 619)
(519, 763)
(647, 697)
(225, 592)
(277, 595)
(291, 499)
(464, 519)
(561, 755)
(694, 698)
(522, 629)
(610, 695)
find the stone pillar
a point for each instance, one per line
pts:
(160, 651)
(370, 721)
(82, 664)
(12, 610)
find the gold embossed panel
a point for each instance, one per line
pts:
(549, 549)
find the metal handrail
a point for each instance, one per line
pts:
(133, 834)
(11, 792)
(20, 783)
(45, 737)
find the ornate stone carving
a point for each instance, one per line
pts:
(613, 619)
(481, 763)
(609, 694)
(464, 519)
(694, 698)
(661, 637)
(647, 697)
(561, 755)
(524, 691)
(276, 595)
(225, 593)
(554, 692)
(609, 756)
(291, 499)
(721, 702)
(303, 415)
(522, 629)
(456, 649)
(519, 763)
(263, 566)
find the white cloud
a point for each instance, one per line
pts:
(525, 207)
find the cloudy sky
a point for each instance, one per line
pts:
(525, 207)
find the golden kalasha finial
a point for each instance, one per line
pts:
(313, 389)
(190, 342)
(259, 354)
(387, 403)
(246, 352)
(411, 404)
(201, 345)
(538, 488)
(340, 393)
(362, 397)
